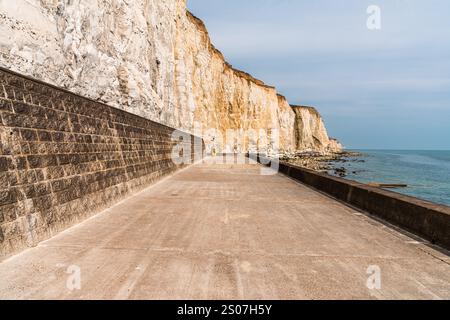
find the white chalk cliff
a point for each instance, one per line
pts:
(152, 58)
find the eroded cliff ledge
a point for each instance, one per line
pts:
(155, 59)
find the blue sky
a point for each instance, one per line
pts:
(384, 89)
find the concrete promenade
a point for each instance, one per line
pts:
(223, 231)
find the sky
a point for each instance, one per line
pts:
(376, 89)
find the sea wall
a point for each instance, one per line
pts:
(151, 58)
(426, 219)
(64, 158)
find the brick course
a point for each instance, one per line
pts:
(64, 157)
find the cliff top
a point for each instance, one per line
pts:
(201, 25)
(311, 109)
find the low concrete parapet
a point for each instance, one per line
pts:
(426, 219)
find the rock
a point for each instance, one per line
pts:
(154, 59)
(322, 162)
(342, 172)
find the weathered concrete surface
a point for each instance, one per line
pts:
(226, 232)
(425, 219)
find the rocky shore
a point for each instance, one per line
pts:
(331, 163)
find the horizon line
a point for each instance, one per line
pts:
(395, 149)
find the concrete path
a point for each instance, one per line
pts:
(227, 232)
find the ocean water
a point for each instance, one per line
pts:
(427, 173)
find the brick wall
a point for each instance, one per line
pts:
(64, 157)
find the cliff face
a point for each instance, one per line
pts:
(154, 59)
(310, 131)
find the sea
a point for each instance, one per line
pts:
(427, 173)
